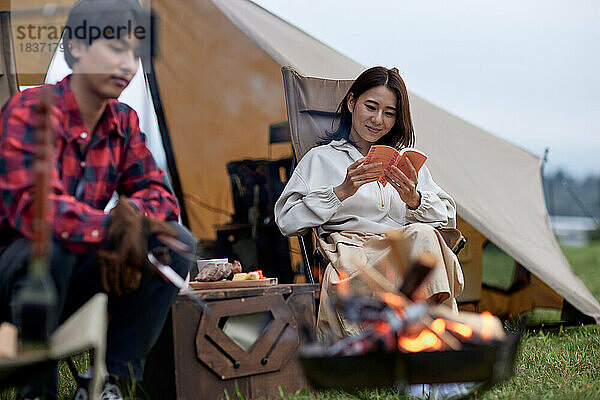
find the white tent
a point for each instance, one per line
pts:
(497, 185)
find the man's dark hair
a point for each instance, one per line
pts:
(95, 19)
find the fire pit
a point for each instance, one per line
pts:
(410, 343)
(489, 363)
(404, 340)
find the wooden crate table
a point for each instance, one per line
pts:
(201, 355)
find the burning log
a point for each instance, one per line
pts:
(439, 330)
(484, 326)
(382, 324)
(392, 321)
(377, 281)
(400, 249)
(417, 274)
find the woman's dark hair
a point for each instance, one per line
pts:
(103, 19)
(402, 134)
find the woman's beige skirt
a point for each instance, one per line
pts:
(350, 252)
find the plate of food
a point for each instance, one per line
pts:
(222, 274)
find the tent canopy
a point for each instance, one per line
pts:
(218, 71)
(220, 97)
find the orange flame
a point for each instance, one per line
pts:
(438, 326)
(382, 327)
(462, 329)
(426, 340)
(487, 325)
(393, 300)
(342, 287)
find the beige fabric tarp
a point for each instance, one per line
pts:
(220, 92)
(496, 185)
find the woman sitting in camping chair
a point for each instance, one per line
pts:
(332, 189)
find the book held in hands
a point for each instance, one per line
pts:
(389, 156)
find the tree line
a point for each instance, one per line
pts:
(566, 195)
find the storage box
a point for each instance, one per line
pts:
(247, 343)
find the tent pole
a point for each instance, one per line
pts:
(162, 124)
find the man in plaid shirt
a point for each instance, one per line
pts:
(99, 150)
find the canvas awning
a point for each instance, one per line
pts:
(496, 185)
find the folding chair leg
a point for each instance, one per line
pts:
(305, 260)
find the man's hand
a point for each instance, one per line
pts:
(127, 236)
(115, 276)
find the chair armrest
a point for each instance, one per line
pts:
(453, 238)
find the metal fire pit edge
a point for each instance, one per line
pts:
(489, 363)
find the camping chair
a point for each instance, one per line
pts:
(85, 329)
(311, 107)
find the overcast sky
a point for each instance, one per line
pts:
(525, 70)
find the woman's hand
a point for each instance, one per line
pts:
(406, 186)
(356, 176)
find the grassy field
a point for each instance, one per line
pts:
(559, 363)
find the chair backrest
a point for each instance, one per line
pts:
(311, 107)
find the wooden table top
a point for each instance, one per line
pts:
(220, 294)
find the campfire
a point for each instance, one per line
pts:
(407, 340)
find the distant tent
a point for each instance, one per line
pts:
(220, 84)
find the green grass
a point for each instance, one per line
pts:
(497, 267)
(555, 364)
(586, 264)
(564, 364)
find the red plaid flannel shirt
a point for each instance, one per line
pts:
(81, 183)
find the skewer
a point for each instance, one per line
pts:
(173, 277)
(176, 245)
(170, 275)
(397, 245)
(376, 280)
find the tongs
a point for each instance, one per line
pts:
(169, 274)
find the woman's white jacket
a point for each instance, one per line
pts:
(308, 200)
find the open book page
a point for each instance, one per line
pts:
(389, 156)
